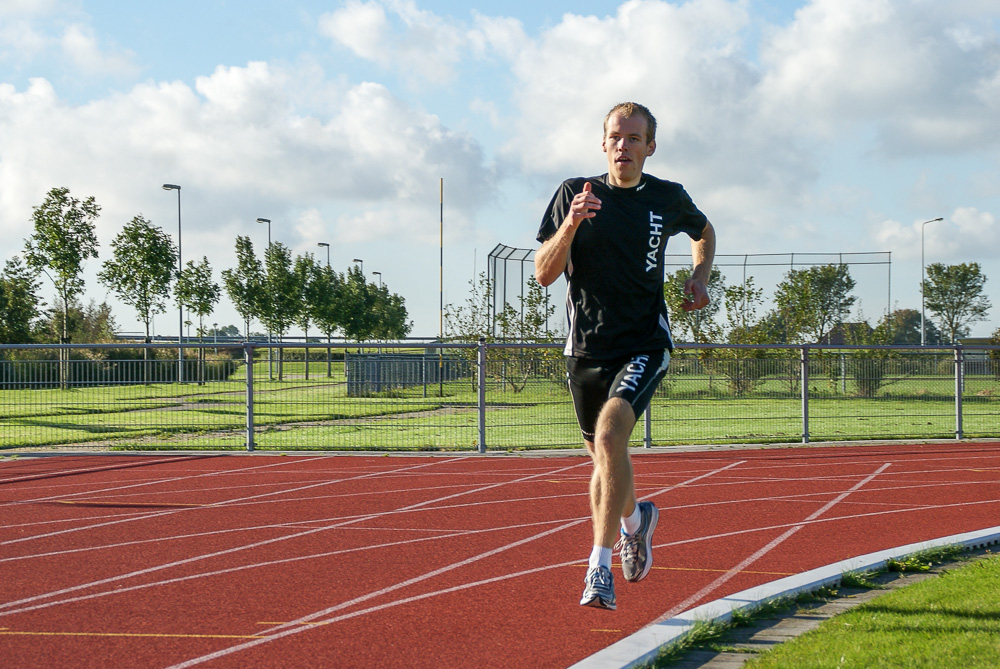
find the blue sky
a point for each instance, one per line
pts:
(831, 126)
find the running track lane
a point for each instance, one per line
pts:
(360, 561)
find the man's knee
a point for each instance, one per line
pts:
(614, 425)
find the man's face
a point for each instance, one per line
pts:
(627, 149)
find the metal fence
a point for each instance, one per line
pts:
(407, 397)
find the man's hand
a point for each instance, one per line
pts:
(584, 206)
(696, 294)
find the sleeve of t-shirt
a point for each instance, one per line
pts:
(692, 221)
(556, 212)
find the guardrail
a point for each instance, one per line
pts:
(394, 396)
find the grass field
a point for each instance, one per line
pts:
(521, 411)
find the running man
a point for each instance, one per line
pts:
(607, 234)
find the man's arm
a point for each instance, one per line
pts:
(551, 258)
(702, 256)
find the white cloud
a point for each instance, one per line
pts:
(418, 44)
(81, 47)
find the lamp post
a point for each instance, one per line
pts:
(180, 307)
(327, 245)
(379, 274)
(923, 280)
(361, 263)
(270, 354)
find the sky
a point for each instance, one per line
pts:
(799, 128)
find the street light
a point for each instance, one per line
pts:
(327, 252)
(268, 221)
(362, 263)
(923, 279)
(180, 307)
(379, 279)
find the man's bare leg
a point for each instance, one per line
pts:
(612, 489)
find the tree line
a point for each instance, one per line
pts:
(811, 305)
(278, 292)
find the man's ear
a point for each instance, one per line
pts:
(652, 148)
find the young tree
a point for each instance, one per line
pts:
(140, 271)
(197, 292)
(327, 306)
(309, 279)
(700, 323)
(955, 294)
(282, 294)
(19, 303)
(62, 240)
(745, 368)
(141, 268)
(358, 302)
(245, 284)
(815, 299)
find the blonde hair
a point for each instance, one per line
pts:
(630, 109)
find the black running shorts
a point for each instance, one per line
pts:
(593, 382)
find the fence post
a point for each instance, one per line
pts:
(804, 374)
(647, 440)
(481, 373)
(248, 356)
(959, 387)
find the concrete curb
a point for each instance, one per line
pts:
(642, 648)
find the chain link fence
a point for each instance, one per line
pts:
(462, 397)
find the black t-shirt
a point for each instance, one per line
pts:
(614, 298)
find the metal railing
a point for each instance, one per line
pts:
(408, 397)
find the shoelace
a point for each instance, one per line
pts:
(628, 546)
(599, 577)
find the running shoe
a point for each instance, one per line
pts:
(600, 589)
(636, 550)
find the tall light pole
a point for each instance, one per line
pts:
(270, 353)
(180, 307)
(379, 274)
(923, 280)
(361, 263)
(268, 221)
(327, 245)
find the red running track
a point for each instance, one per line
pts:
(417, 561)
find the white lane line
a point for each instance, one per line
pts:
(299, 625)
(40, 476)
(721, 580)
(207, 506)
(257, 544)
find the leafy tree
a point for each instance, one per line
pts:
(744, 368)
(94, 323)
(282, 294)
(327, 305)
(19, 303)
(140, 271)
(63, 238)
(813, 300)
(197, 292)
(392, 315)
(245, 284)
(700, 323)
(141, 268)
(955, 294)
(358, 306)
(510, 366)
(905, 327)
(309, 278)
